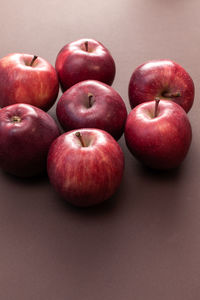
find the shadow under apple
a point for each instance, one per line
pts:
(40, 179)
(106, 207)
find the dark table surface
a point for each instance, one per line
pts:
(145, 242)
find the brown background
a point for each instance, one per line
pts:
(145, 242)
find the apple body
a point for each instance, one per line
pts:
(160, 142)
(85, 173)
(82, 60)
(26, 133)
(92, 104)
(27, 79)
(164, 79)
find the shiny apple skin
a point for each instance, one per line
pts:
(106, 110)
(154, 78)
(21, 83)
(85, 176)
(75, 64)
(161, 142)
(24, 145)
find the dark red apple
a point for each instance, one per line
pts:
(158, 134)
(27, 79)
(26, 133)
(82, 60)
(92, 104)
(164, 79)
(85, 166)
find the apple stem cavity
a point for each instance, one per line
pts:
(79, 135)
(15, 119)
(90, 100)
(171, 95)
(86, 46)
(157, 100)
(34, 58)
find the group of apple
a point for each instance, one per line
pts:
(85, 164)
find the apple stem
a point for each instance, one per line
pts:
(78, 134)
(34, 58)
(157, 100)
(90, 99)
(171, 95)
(86, 46)
(16, 119)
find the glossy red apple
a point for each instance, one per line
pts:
(92, 104)
(26, 133)
(27, 79)
(85, 166)
(158, 134)
(82, 60)
(164, 79)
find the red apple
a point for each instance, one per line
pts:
(92, 104)
(26, 133)
(85, 166)
(159, 135)
(82, 60)
(164, 79)
(27, 79)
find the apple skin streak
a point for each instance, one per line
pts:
(85, 176)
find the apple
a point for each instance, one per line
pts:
(164, 79)
(27, 79)
(158, 134)
(82, 60)
(92, 104)
(85, 166)
(26, 133)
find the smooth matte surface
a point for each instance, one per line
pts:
(145, 242)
